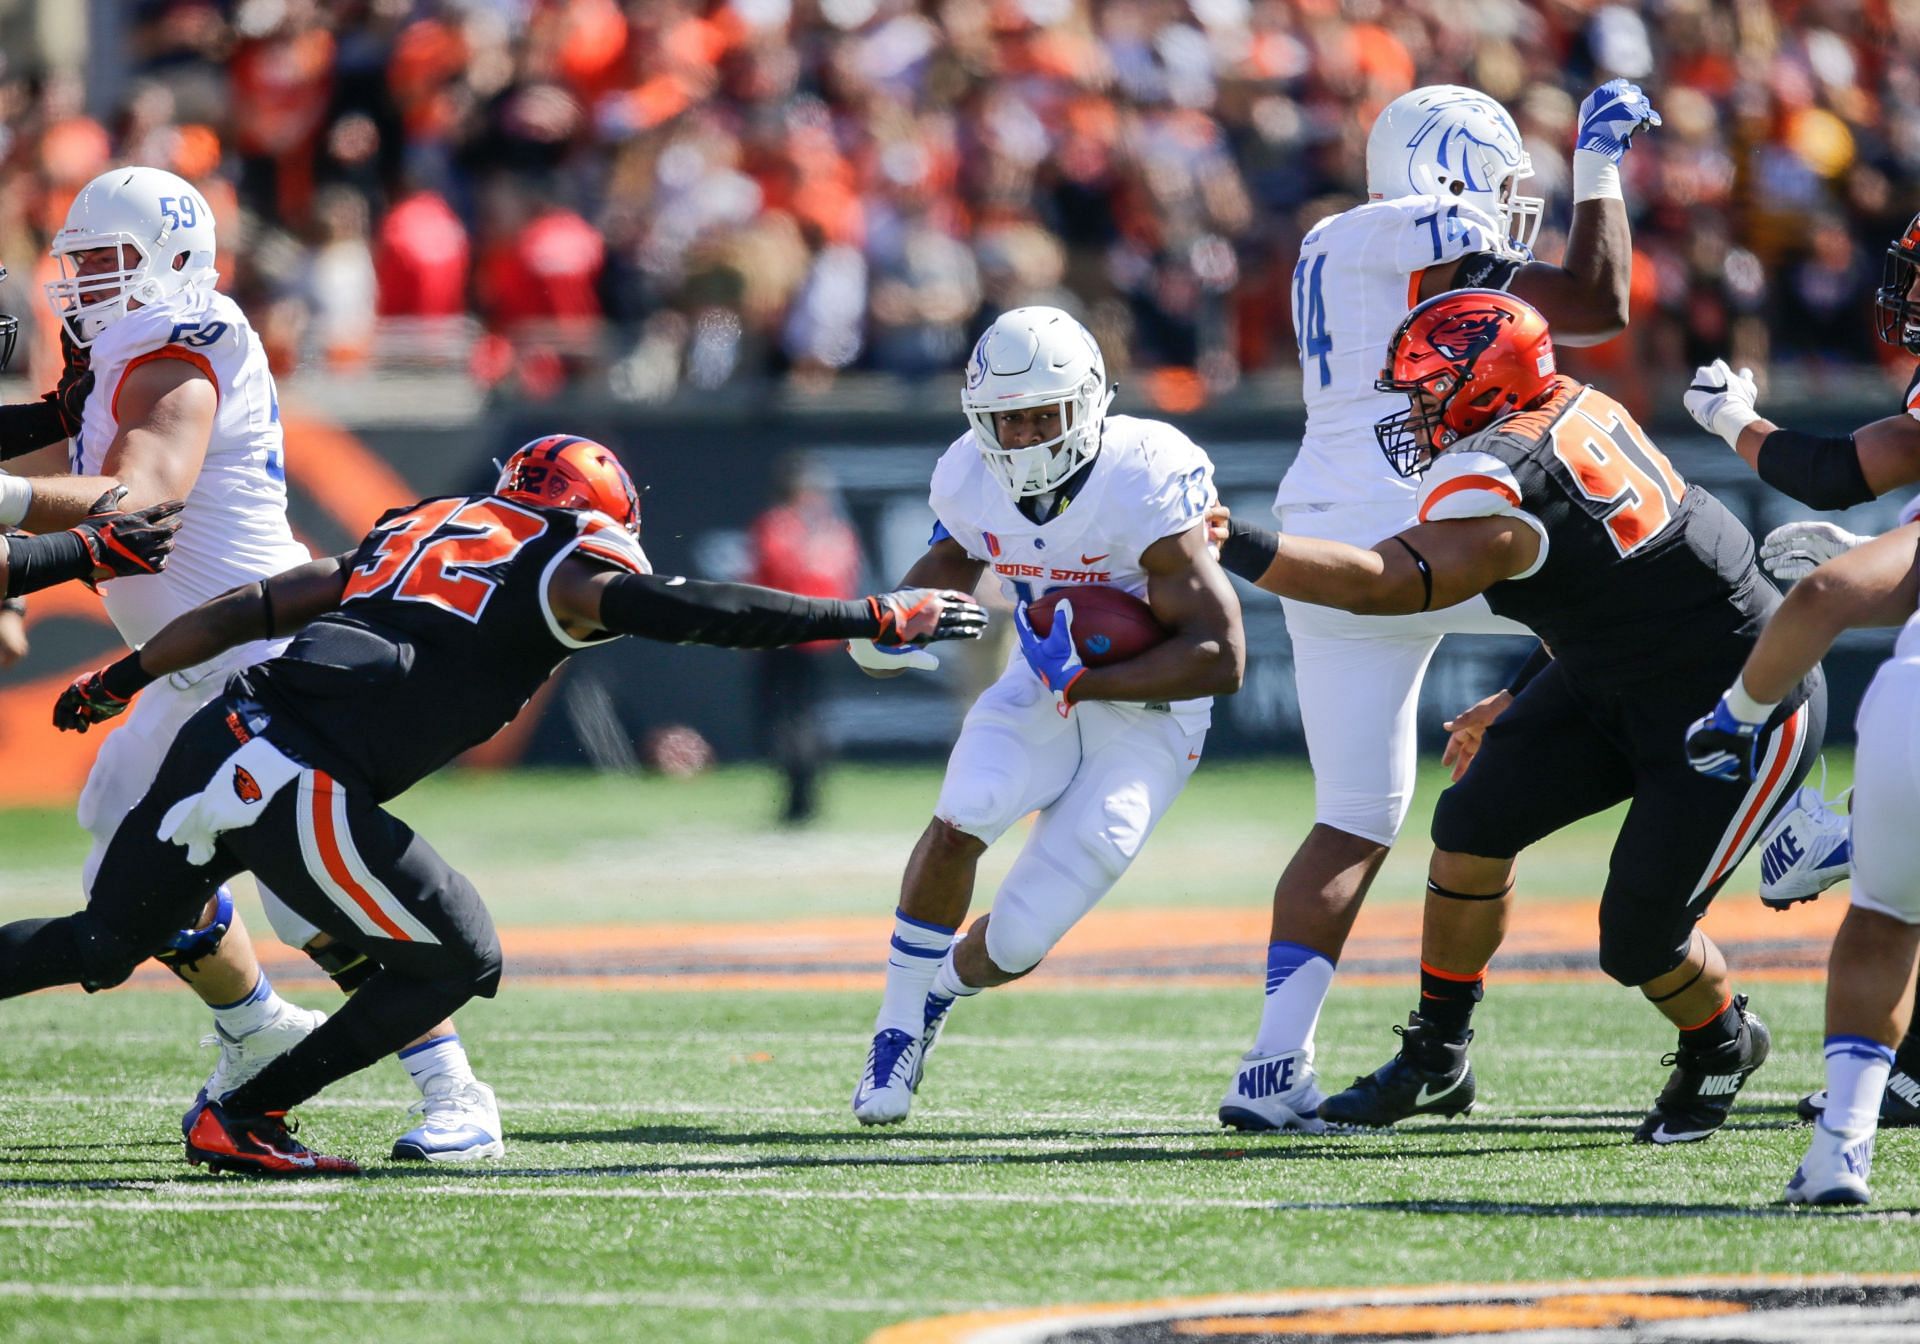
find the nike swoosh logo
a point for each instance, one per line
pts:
(1424, 1097)
(1193, 755)
(1094, 559)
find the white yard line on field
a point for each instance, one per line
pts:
(331, 1293)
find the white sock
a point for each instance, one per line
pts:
(259, 1007)
(441, 1056)
(1298, 979)
(1857, 1068)
(947, 983)
(914, 956)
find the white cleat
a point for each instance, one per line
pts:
(884, 1094)
(1274, 1092)
(242, 1057)
(1834, 1171)
(1807, 849)
(459, 1122)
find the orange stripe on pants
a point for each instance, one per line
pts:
(336, 863)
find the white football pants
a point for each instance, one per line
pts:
(1886, 794)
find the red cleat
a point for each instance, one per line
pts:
(255, 1145)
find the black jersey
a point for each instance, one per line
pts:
(1639, 573)
(442, 636)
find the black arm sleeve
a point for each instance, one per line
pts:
(1536, 663)
(28, 425)
(732, 615)
(1485, 270)
(1823, 473)
(40, 562)
(1248, 550)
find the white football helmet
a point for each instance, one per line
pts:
(1037, 357)
(161, 217)
(1448, 140)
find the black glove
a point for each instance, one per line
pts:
(133, 542)
(69, 396)
(100, 695)
(920, 616)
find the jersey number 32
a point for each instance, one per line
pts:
(448, 552)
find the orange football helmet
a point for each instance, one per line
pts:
(1896, 313)
(1464, 360)
(563, 471)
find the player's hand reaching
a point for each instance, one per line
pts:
(1219, 524)
(1468, 728)
(1053, 659)
(1721, 400)
(122, 542)
(69, 396)
(1794, 550)
(88, 701)
(921, 616)
(1610, 117)
(1722, 745)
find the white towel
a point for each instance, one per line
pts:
(235, 797)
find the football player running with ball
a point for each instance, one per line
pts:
(1444, 165)
(1051, 493)
(421, 643)
(1809, 846)
(1543, 494)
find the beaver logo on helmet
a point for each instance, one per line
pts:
(564, 471)
(1465, 335)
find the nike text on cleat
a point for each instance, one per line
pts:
(1805, 850)
(1700, 1091)
(884, 1094)
(459, 1122)
(1899, 1104)
(1430, 1076)
(1274, 1092)
(254, 1145)
(1834, 1171)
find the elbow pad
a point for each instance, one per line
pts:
(731, 615)
(1822, 473)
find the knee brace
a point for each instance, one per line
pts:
(106, 959)
(185, 949)
(346, 965)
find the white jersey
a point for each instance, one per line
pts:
(1357, 279)
(235, 528)
(1149, 481)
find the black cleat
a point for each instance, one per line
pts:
(1430, 1076)
(1699, 1094)
(254, 1145)
(1899, 1104)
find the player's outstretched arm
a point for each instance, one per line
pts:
(1424, 568)
(946, 566)
(1875, 584)
(260, 610)
(1207, 654)
(26, 427)
(1826, 472)
(588, 597)
(166, 409)
(1585, 297)
(108, 543)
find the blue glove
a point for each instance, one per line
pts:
(1722, 745)
(1053, 659)
(1610, 116)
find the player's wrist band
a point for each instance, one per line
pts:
(1744, 707)
(1824, 473)
(1249, 550)
(1595, 177)
(16, 605)
(126, 678)
(29, 425)
(1536, 663)
(16, 497)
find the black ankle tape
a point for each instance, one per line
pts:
(1435, 889)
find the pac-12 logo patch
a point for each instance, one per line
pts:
(245, 785)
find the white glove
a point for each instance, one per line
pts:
(1721, 401)
(1795, 550)
(236, 796)
(889, 661)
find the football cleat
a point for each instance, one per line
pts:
(1430, 1076)
(884, 1093)
(1834, 1171)
(242, 1057)
(1899, 1104)
(254, 1145)
(1805, 850)
(459, 1122)
(1274, 1092)
(1699, 1093)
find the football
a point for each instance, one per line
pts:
(1110, 625)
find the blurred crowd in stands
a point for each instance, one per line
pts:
(707, 193)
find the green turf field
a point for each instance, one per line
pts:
(682, 1166)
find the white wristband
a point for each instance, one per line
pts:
(1745, 708)
(16, 497)
(1595, 177)
(1732, 418)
